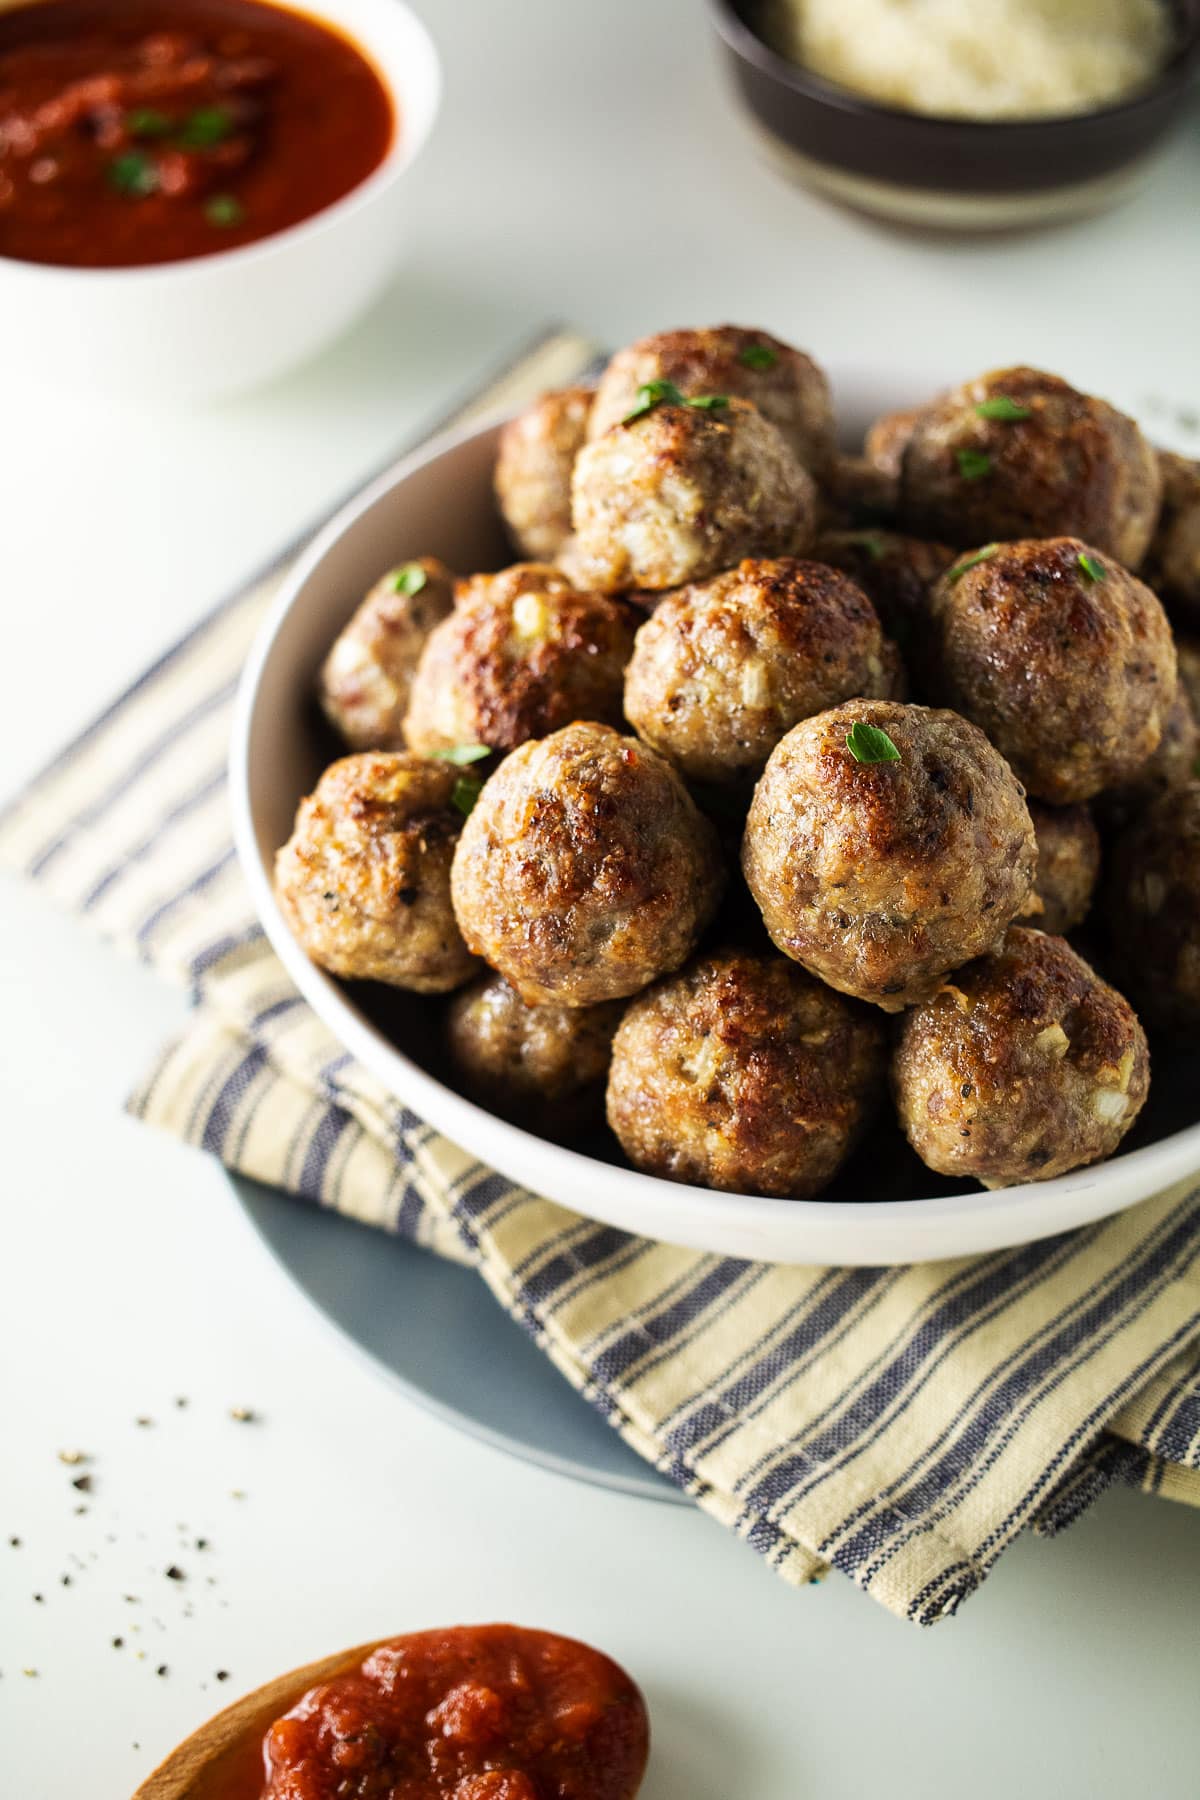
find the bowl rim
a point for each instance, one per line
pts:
(805, 84)
(402, 151)
(987, 1219)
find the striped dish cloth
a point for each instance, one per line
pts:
(900, 1425)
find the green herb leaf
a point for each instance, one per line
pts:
(868, 744)
(969, 562)
(708, 402)
(1092, 568)
(410, 578)
(224, 210)
(1001, 407)
(467, 790)
(870, 541)
(652, 394)
(147, 121)
(758, 356)
(462, 754)
(207, 126)
(972, 464)
(134, 173)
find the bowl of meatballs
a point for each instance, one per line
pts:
(773, 835)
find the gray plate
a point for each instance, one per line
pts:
(435, 1329)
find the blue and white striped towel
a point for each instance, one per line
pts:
(901, 1425)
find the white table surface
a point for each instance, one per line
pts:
(588, 165)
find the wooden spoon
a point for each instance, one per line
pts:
(223, 1760)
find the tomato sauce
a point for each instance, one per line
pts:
(484, 1712)
(149, 131)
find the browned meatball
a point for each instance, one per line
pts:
(521, 654)
(855, 492)
(1172, 565)
(887, 440)
(722, 669)
(541, 1066)
(1023, 1066)
(585, 869)
(897, 574)
(366, 677)
(1068, 863)
(1021, 454)
(881, 876)
(786, 385)
(533, 470)
(1173, 765)
(1063, 658)
(364, 879)
(1187, 657)
(1153, 901)
(744, 1073)
(681, 492)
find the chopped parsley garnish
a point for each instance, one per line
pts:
(466, 792)
(410, 578)
(869, 744)
(969, 562)
(134, 173)
(758, 356)
(1091, 566)
(972, 464)
(462, 754)
(147, 121)
(665, 393)
(870, 541)
(1001, 407)
(207, 126)
(224, 210)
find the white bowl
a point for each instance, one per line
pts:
(440, 502)
(217, 323)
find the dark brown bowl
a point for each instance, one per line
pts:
(952, 173)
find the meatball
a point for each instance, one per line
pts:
(879, 876)
(1020, 454)
(1063, 658)
(1172, 564)
(680, 492)
(533, 470)
(585, 869)
(1173, 765)
(365, 679)
(887, 440)
(786, 385)
(722, 669)
(364, 879)
(1153, 899)
(854, 492)
(744, 1073)
(1068, 863)
(895, 572)
(1024, 1065)
(541, 1066)
(521, 654)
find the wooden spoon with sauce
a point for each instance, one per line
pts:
(223, 1760)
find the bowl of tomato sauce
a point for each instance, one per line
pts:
(196, 194)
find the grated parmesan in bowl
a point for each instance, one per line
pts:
(978, 59)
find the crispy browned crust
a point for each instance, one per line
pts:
(881, 877)
(522, 654)
(533, 470)
(887, 439)
(1023, 1066)
(723, 668)
(1172, 565)
(680, 493)
(365, 680)
(585, 870)
(1071, 678)
(1076, 467)
(1152, 901)
(743, 1073)
(1068, 865)
(541, 1066)
(364, 879)
(793, 392)
(896, 572)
